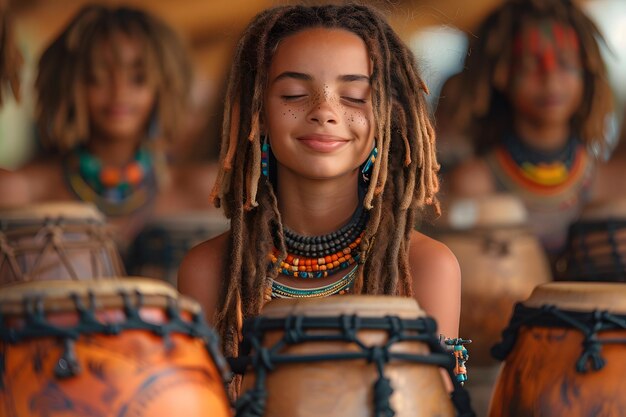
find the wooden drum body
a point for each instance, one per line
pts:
(344, 356)
(565, 353)
(501, 262)
(56, 241)
(126, 347)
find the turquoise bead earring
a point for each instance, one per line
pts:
(265, 157)
(365, 172)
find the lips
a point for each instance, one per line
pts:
(118, 111)
(322, 143)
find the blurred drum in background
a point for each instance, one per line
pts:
(565, 353)
(501, 263)
(160, 247)
(124, 347)
(342, 356)
(596, 246)
(68, 240)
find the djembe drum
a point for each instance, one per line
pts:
(125, 347)
(596, 245)
(345, 356)
(56, 241)
(565, 353)
(501, 263)
(160, 247)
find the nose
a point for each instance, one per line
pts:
(548, 61)
(323, 111)
(118, 85)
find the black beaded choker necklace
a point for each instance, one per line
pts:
(319, 246)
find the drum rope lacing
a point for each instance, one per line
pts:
(588, 323)
(345, 328)
(48, 236)
(37, 326)
(584, 262)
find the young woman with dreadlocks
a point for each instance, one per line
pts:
(536, 88)
(112, 89)
(326, 148)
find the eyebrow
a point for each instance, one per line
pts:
(306, 77)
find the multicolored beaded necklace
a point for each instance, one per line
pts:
(115, 191)
(543, 174)
(311, 257)
(341, 287)
(319, 256)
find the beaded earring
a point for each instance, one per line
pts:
(265, 157)
(365, 172)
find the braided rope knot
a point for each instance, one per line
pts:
(350, 326)
(378, 355)
(263, 358)
(591, 358)
(382, 397)
(293, 330)
(251, 403)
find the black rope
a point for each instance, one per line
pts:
(37, 326)
(597, 259)
(344, 328)
(588, 323)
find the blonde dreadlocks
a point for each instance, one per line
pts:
(404, 178)
(65, 67)
(10, 57)
(484, 107)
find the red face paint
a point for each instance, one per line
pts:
(543, 47)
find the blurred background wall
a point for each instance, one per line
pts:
(437, 31)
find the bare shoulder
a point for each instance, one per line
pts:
(200, 275)
(14, 189)
(472, 178)
(35, 182)
(436, 281)
(427, 255)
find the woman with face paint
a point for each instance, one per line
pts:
(536, 89)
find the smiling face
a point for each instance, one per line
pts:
(120, 97)
(318, 108)
(546, 84)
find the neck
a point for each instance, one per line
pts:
(548, 137)
(113, 152)
(316, 207)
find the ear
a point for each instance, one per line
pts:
(262, 125)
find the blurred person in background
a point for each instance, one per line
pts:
(112, 92)
(536, 91)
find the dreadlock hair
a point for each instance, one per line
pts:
(484, 110)
(66, 65)
(404, 177)
(10, 57)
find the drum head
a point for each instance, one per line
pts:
(363, 305)
(580, 296)
(53, 210)
(58, 296)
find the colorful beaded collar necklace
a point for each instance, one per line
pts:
(542, 172)
(114, 190)
(320, 256)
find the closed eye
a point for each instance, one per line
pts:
(355, 100)
(288, 98)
